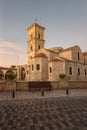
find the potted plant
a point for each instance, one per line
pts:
(63, 83)
(62, 76)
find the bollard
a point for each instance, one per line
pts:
(67, 91)
(42, 92)
(13, 94)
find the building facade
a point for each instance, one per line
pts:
(46, 64)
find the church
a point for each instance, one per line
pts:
(46, 64)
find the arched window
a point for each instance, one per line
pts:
(32, 67)
(85, 72)
(50, 69)
(78, 56)
(39, 35)
(39, 47)
(70, 70)
(37, 66)
(31, 48)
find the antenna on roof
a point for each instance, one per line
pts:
(35, 20)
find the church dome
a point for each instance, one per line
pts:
(56, 49)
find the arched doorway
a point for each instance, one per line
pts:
(1, 75)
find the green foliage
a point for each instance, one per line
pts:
(62, 76)
(13, 66)
(10, 76)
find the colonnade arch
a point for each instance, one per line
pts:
(4, 71)
(8, 72)
(1, 75)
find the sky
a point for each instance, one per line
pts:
(65, 23)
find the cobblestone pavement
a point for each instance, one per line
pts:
(53, 111)
(38, 94)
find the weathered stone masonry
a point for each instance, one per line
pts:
(46, 64)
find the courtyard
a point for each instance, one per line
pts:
(55, 110)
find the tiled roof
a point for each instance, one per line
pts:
(84, 53)
(51, 51)
(70, 48)
(6, 68)
(41, 55)
(57, 59)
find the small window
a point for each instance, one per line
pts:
(70, 70)
(78, 71)
(85, 72)
(38, 67)
(39, 47)
(32, 67)
(39, 35)
(78, 55)
(31, 48)
(50, 69)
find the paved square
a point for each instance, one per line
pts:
(54, 113)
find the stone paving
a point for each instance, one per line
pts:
(38, 94)
(53, 111)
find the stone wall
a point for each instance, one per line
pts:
(85, 58)
(70, 84)
(55, 84)
(66, 54)
(75, 57)
(75, 76)
(7, 86)
(23, 86)
(57, 68)
(72, 54)
(51, 55)
(77, 84)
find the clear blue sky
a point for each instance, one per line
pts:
(65, 22)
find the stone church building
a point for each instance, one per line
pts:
(46, 64)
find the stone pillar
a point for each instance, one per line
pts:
(18, 73)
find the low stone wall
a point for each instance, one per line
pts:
(77, 84)
(70, 84)
(10, 86)
(54, 84)
(7, 86)
(24, 86)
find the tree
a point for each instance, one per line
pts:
(13, 66)
(10, 76)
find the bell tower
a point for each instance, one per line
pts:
(35, 40)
